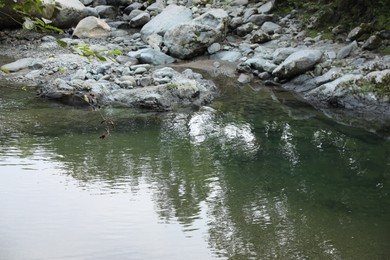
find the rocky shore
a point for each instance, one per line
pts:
(122, 53)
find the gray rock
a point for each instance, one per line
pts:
(259, 19)
(245, 29)
(133, 6)
(69, 13)
(267, 7)
(106, 11)
(190, 39)
(92, 27)
(140, 20)
(271, 28)
(213, 48)
(298, 63)
(80, 74)
(259, 36)
(86, 2)
(236, 22)
(151, 56)
(281, 54)
(135, 13)
(260, 64)
(155, 8)
(90, 11)
(372, 43)
(227, 56)
(355, 33)
(346, 50)
(155, 41)
(168, 18)
(245, 78)
(18, 65)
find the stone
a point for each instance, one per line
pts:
(259, 19)
(267, 7)
(245, 78)
(92, 27)
(261, 64)
(245, 29)
(18, 65)
(133, 6)
(271, 28)
(140, 20)
(106, 11)
(168, 18)
(259, 36)
(355, 33)
(372, 43)
(297, 63)
(188, 40)
(69, 13)
(231, 56)
(213, 48)
(151, 56)
(281, 54)
(346, 50)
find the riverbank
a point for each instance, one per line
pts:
(124, 58)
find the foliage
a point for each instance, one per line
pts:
(84, 49)
(33, 13)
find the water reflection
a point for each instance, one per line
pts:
(246, 177)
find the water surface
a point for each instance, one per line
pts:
(258, 175)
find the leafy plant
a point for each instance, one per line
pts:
(33, 13)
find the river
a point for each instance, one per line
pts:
(258, 175)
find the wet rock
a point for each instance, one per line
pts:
(298, 63)
(133, 6)
(213, 48)
(245, 78)
(92, 27)
(260, 64)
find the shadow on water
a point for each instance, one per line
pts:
(271, 177)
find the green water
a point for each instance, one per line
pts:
(264, 177)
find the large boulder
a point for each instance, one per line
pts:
(70, 12)
(188, 40)
(92, 27)
(170, 17)
(151, 56)
(297, 63)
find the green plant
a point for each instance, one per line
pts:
(171, 86)
(33, 13)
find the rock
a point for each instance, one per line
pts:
(190, 39)
(281, 54)
(92, 27)
(227, 56)
(261, 64)
(372, 43)
(86, 2)
(245, 29)
(245, 78)
(298, 63)
(133, 6)
(155, 41)
(135, 13)
(271, 28)
(259, 19)
(155, 8)
(213, 48)
(346, 51)
(151, 56)
(19, 65)
(267, 7)
(259, 36)
(106, 11)
(168, 18)
(140, 20)
(236, 22)
(355, 33)
(70, 12)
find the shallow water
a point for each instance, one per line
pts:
(258, 176)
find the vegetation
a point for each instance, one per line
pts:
(348, 13)
(34, 14)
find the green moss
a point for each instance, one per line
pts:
(172, 86)
(380, 89)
